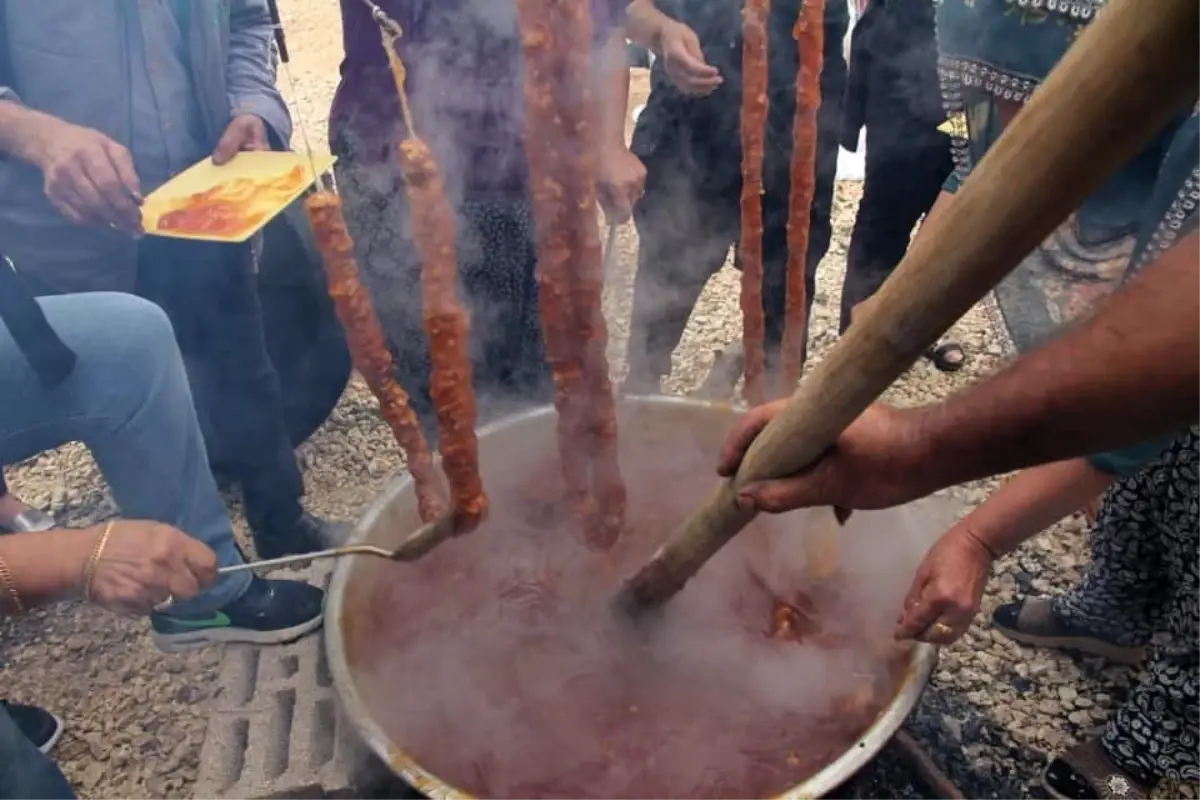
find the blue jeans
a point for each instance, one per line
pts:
(128, 401)
(24, 771)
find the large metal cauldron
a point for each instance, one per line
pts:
(394, 514)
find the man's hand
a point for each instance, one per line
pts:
(875, 463)
(684, 60)
(90, 178)
(947, 590)
(245, 132)
(620, 184)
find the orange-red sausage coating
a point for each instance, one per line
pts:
(754, 120)
(561, 150)
(577, 105)
(448, 329)
(810, 41)
(368, 348)
(544, 138)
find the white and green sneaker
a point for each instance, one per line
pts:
(269, 612)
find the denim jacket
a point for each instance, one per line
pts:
(72, 61)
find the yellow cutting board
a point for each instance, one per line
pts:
(249, 176)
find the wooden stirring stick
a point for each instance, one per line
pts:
(1126, 76)
(822, 541)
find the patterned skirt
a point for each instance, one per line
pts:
(1143, 580)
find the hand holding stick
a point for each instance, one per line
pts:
(1127, 75)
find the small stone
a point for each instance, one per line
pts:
(1083, 702)
(1067, 694)
(92, 774)
(1080, 717)
(1050, 707)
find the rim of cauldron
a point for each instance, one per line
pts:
(920, 667)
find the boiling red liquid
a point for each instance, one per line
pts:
(497, 663)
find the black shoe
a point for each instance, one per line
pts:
(270, 612)
(37, 724)
(1032, 621)
(305, 535)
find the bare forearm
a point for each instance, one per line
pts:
(23, 131)
(612, 90)
(46, 566)
(1032, 501)
(943, 201)
(1127, 374)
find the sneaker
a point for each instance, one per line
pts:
(37, 724)
(306, 535)
(270, 612)
(31, 520)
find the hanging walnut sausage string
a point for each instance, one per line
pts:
(556, 42)
(368, 348)
(810, 42)
(543, 128)
(754, 120)
(446, 321)
(577, 106)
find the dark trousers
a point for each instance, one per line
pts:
(24, 771)
(904, 175)
(685, 227)
(208, 292)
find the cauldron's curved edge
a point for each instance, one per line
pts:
(920, 668)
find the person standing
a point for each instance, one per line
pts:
(893, 92)
(1143, 578)
(125, 395)
(465, 86)
(100, 104)
(689, 138)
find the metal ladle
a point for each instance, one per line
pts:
(420, 542)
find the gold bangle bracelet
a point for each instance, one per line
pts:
(89, 571)
(10, 587)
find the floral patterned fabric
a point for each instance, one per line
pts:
(1143, 580)
(993, 54)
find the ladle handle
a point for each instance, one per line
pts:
(1127, 75)
(284, 561)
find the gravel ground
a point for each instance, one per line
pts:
(135, 718)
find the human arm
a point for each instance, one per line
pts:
(250, 84)
(1032, 501)
(948, 586)
(622, 176)
(1128, 373)
(676, 44)
(88, 177)
(140, 564)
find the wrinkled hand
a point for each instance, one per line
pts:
(875, 463)
(684, 61)
(947, 590)
(90, 178)
(245, 132)
(620, 184)
(146, 563)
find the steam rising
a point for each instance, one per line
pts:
(498, 664)
(496, 661)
